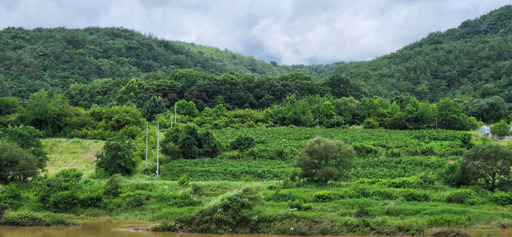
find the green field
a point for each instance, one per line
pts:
(396, 187)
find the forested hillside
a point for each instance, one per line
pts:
(31, 60)
(473, 60)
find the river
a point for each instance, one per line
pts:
(108, 228)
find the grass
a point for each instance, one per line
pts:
(391, 193)
(71, 153)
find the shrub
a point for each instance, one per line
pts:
(242, 143)
(502, 198)
(323, 196)
(11, 196)
(29, 218)
(117, 157)
(183, 181)
(63, 201)
(300, 205)
(324, 159)
(113, 185)
(3, 208)
(412, 195)
(134, 199)
(461, 196)
(231, 213)
(365, 150)
(501, 128)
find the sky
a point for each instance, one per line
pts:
(285, 31)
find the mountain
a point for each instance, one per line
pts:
(473, 60)
(56, 58)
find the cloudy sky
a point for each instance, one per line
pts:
(286, 31)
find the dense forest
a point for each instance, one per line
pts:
(471, 61)
(56, 58)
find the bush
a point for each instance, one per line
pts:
(10, 195)
(134, 199)
(242, 143)
(324, 159)
(461, 196)
(300, 205)
(324, 196)
(501, 128)
(29, 218)
(183, 181)
(412, 195)
(63, 201)
(3, 208)
(231, 213)
(113, 186)
(502, 198)
(117, 157)
(365, 150)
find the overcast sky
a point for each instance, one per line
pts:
(286, 31)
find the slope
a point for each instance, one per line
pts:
(473, 60)
(56, 58)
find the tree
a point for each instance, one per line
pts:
(117, 157)
(324, 159)
(47, 113)
(490, 162)
(16, 164)
(189, 143)
(27, 138)
(501, 128)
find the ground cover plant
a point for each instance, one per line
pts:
(400, 182)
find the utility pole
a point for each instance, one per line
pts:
(157, 147)
(147, 138)
(175, 108)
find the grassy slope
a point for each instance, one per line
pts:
(339, 216)
(71, 153)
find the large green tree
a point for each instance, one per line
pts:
(488, 162)
(324, 159)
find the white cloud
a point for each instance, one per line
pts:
(289, 31)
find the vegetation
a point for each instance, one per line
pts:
(490, 162)
(379, 147)
(323, 160)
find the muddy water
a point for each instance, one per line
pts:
(103, 228)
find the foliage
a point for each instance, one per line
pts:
(490, 162)
(47, 113)
(242, 143)
(117, 157)
(501, 128)
(502, 198)
(189, 143)
(17, 164)
(113, 186)
(30, 218)
(323, 159)
(231, 213)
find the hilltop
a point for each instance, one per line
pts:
(472, 60)
(56, 58)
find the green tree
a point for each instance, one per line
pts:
(189, 143)
(490, 162)
(117, 157)
(451, 116)
(47, 113)
(27, 138)
(324, 159)
(500, 128)
(16, 164)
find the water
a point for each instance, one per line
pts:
(102, 228)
